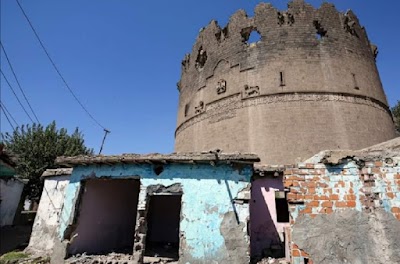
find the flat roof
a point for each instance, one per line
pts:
(57, 172)
(157, 158)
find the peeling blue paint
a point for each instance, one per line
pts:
(205, 201)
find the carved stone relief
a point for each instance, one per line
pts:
(199, 108)
(219, 109)
(281, 19)
(251, 91)
(221, 86)
(285, 16)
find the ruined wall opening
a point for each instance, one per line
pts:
(321, 32)
(281, 207)
(250, 35)
(163, 220)
(106, 218)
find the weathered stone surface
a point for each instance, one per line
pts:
(311, 77)
(349, 236)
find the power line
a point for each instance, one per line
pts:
(16, 79)
(5, 114)
(56, 68)
(2, 105)
(16, 96)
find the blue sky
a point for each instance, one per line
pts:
(122, 58)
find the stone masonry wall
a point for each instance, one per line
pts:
(345, 212)
(310, 65)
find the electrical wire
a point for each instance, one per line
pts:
(56, 68)
(16, 79)
(8, 112)
(16, 96)
(5, 114)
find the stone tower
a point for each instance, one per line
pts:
(310, 83)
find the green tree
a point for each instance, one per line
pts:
(396, 115)
(37, 147)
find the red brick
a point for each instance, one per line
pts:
(309, 165)
(340, 204)
(321, 197)
(395, 210)
(300, 197)
(303, 254)
(313, 203)
(311, 184)
(287, 184)
(306, 210)
(390, 195)
(295, 178)
(313, 215)
(397, 216)
(311, 190)
(322, 184)
(296, 253)
(291, 196)
(308, 197)
(378, 163)
(350, 197)
(334, 197)
(328, 210)
(351, 203)
(294, 246)
(327, 204)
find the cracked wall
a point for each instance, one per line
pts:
(214, 213)
(347, 212)
(47, 219)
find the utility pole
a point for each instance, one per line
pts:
(106, 131)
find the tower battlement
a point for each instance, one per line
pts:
(314, 53)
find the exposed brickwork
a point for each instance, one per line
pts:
(238, 96)
(322, 189)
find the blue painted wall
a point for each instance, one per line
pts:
(207, 194)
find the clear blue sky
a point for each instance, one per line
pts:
(123, 57)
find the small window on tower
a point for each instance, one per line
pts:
(355, 82)
(186, 110)
(281, 78)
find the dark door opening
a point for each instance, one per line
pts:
(107, 216)
(163, 226)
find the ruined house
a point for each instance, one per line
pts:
(191, 208)
(309, 84)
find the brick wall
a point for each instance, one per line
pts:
(316, 189)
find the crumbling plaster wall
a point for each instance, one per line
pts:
(345, 212)
(10, 195)
(47, 219)
(213, 227)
